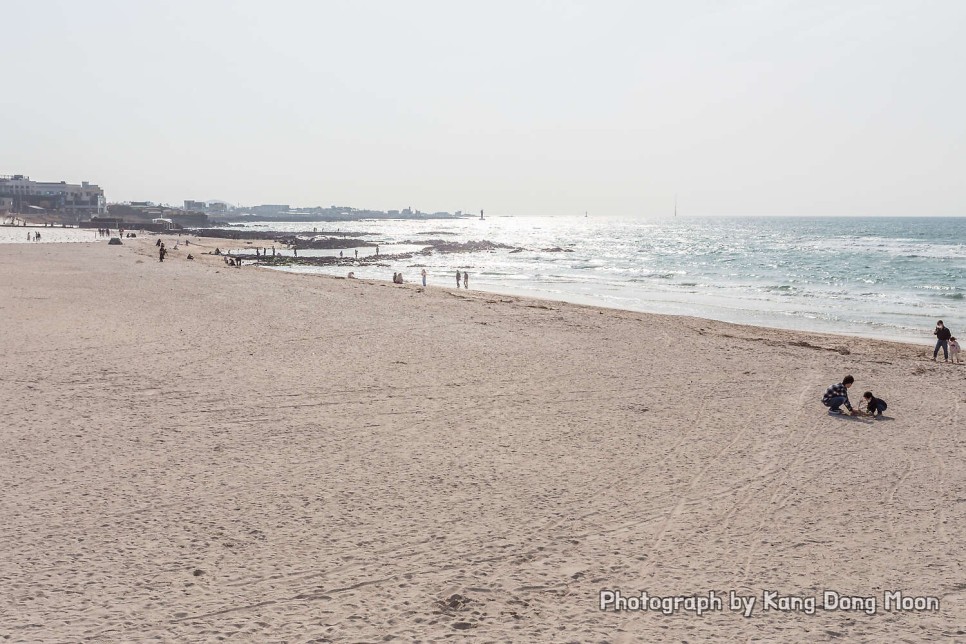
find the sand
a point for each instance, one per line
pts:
(193, 452)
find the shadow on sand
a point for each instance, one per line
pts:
(866, 419)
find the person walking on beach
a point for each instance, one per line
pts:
(466, 279)
(837, 395)
(942, 341)
(424, 277)
(357, 253)
(162, 251)
(458, 278)
(954, 351)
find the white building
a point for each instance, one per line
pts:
(53, 197)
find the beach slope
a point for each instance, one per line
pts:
(195, 452)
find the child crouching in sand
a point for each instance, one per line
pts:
(876, 406)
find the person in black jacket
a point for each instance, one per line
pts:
(942, 340)
(875, 406)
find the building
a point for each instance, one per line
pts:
(55, 198)
(140, 212)
(270, 209)
(197, 206)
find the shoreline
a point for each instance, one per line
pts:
(706, 304)
(210, 243)
(522, 295)
(588, 303)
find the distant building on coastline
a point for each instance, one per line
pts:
(58, 198)
(215, 208)
(270, 209)
(218, 208)
(140, 212)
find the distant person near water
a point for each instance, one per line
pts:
(838, 395)
(466, 280)
(942, 341)
(424, 276)
(954, 351)
(459, 276)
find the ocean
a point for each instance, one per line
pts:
(888, 278)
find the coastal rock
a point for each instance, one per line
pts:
(442, 246)
(434, 246)
(308, 239)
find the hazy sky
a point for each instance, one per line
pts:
(746, 107)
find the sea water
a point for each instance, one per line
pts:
(878, 277)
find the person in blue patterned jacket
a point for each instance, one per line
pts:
(838, 395)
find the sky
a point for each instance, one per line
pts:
(517, 107)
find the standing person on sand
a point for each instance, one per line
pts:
(838, 395)
(424, 277)
(162, 251)
(458, 278)
(942, 340)
(466, 280)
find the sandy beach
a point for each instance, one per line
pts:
(193, 452)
